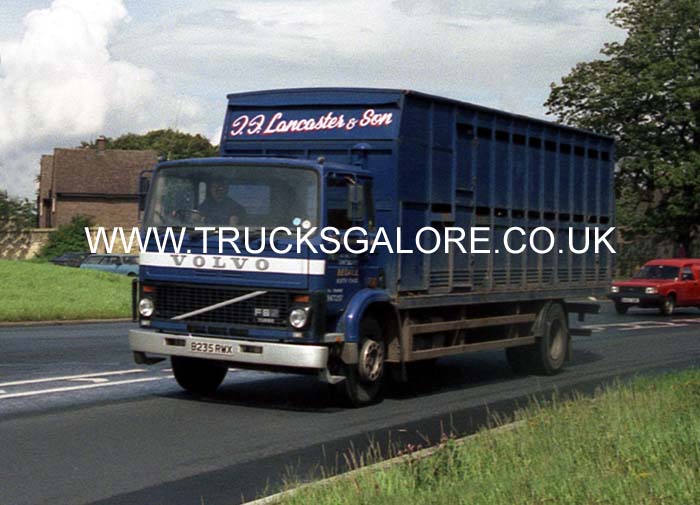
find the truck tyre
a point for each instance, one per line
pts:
(668, 305)
(363, 382)
(198, 376)
(621, 308)
(547, 355)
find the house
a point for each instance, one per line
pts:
(92, 181)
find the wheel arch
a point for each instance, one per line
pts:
(373, 303)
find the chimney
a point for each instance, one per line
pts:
(101, 143)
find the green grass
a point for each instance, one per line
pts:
(34, 291)
(638, 443)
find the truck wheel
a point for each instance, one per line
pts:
(547, 355)
(198, 376)
(668, 306)
(363, 382)
(621, 308)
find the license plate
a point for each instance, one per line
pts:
(211, 348)
(630, 300)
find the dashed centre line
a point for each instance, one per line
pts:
(14, 389)
(22, 394)
(642, 325)
(71, 377)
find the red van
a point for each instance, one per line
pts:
(664, 284)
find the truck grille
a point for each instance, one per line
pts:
(173, 300)
(631, 290)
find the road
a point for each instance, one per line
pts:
(81, 423)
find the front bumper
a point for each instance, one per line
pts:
(264, 354)
(644, 300)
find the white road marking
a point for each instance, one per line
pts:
(641, 325)
(76, 388)
(71, 377)
(94, 380)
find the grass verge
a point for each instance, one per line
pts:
(33, 291)
(637, 443)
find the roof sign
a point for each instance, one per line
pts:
(366, 123)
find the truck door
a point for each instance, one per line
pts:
(688, 287)
(349, 203)
(695, 285)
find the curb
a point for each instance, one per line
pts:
(422, 454)
(61, 322)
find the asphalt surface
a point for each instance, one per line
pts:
(81, 423)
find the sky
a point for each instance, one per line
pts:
(71, 70)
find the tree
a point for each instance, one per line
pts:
(646, 93)
(170, 144)
(16, 213)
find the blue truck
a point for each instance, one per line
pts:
(373, 159)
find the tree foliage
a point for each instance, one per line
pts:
(646, 93)
(170, 144)
(16, 213)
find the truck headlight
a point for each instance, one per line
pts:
(146, 307)
(299, 317)
(651, 291)
(614, 289)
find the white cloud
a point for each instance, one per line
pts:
(498, 53)
(59, 85)
(82, 68)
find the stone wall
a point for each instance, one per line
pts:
(26, 244)
(22, 244)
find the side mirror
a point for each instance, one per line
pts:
(144, 185)
(356, 202)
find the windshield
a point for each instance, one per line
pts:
(656, 272)
(230, 195)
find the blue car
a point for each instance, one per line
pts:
(114, 263)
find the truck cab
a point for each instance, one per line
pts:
(287, 301)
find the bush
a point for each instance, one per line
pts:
(68, 238)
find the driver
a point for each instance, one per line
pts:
(217, 208)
